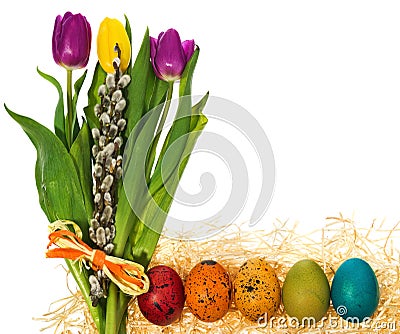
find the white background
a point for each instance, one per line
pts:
(322, 78)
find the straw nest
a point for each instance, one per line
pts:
(339, 240)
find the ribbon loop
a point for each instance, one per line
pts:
(127, 275)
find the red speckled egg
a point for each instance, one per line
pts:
(163, 303)
(208, 291)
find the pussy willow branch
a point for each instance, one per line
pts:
(107, 169)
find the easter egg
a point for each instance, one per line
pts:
(257, 291)
(355, 290)
(163, 303)
(305, 292)
(208, 291)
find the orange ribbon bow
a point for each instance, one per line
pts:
(127, 275)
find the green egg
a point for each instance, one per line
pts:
(306, 293)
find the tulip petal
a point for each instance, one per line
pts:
(56, 37)
(67, 15)
(153, 50)
(188, 48)
(71, 41)
(88, 40)
(170, 59)
(153, 47)
(112, 31)
(74, 53)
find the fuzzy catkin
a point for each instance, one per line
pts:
(107, 170)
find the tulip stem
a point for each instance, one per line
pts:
(112, 308)
(166, 108)
(70, 114)
(159, 129)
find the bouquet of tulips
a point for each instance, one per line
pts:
(103, 185)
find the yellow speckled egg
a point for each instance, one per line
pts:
(257, 290)
(208, 291)
(306, 292)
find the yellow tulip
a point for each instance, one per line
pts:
(112, 32)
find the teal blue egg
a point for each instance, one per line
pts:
(355, 290)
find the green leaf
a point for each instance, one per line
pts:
(157, 92)
(139, 93)
(151, 87)
(59, 120)
(167, 173)
(197, 124)
(81, 155)
(99, 77)
(136, 91)
(139, 141)
(197, 117)
(63, 194)
(60, 193)
(82, 279)
(125, 220)
(135, 154)
(156, 211)
(153, 148)
(129, 33)
(77, 88)
(148, 92)
(185, 87)
(179, 128)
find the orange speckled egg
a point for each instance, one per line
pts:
(208, 291)
(257, 290)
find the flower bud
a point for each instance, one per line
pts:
(117, 95)
(112, 231)
(98, 170)
(95, 150)
(112, 132)
(106, 214)
(96, 133)
(113, 33)
(118, 141)
(106, 99)
(92, 235)
(169, 56)
(107, 198)
(102, 90)
(110, 81)
(107, 183)
(109, 150)
(97, 110)
(121, 124)
(109, 248)
(102, 141)
(71, 41)
(95, 285)
(100, 157)
(120, 106)
(118, 173)
(116, 61)
(105, 118)
(101, 237)
(124, 81)
(94, 223)
(97, 198)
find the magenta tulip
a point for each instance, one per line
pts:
(72, 39)
(169, 55)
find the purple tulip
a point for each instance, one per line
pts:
(72, 39)
(169, 55)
